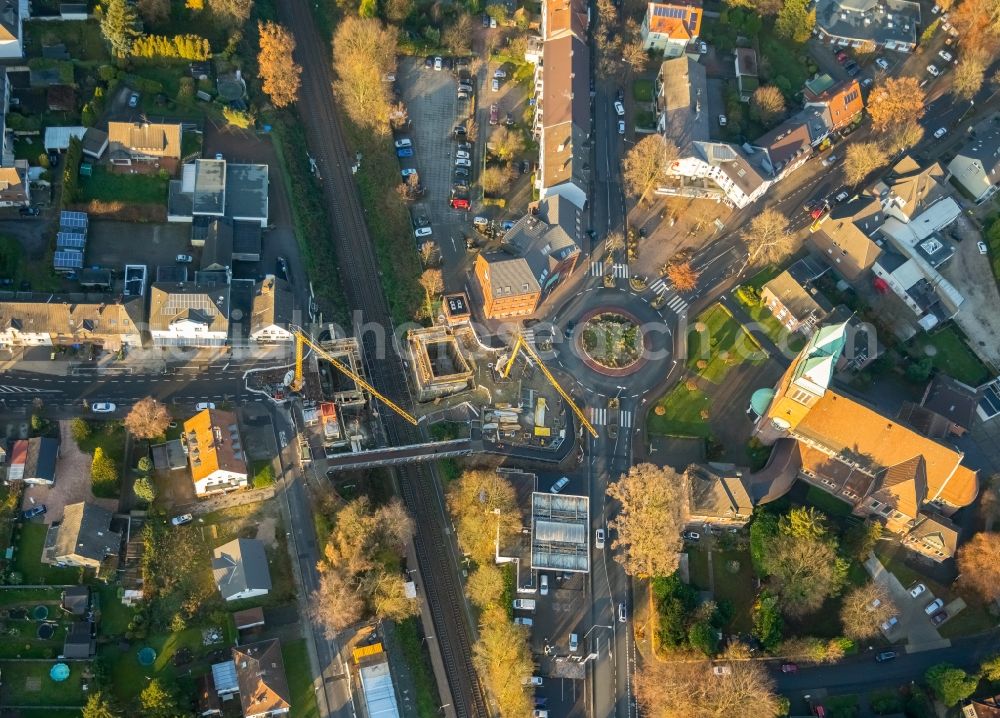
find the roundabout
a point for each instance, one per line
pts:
(611, 343)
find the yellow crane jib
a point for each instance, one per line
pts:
(301, 339)
(519, 344)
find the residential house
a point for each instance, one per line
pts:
(53, 320)
(144, 143)
(719, 495)
(248, 618)
(891, 24)
(240, 569)
(934, 536)
(845, 239)
(670, 27)
(841, 103)
(747, 72)
(213, 189)
(537, 254)
(982, 708)
(209, 703)
(83, 537)
(75, 600)
(273, 312)
(34, 461)
(882, 468)
(80, 643)
(12, 16)
(911, 273)
(792, 299)
(976, 167)
(948, 408)
(682, 101)
(910, 190)
(215, 452)
(260, 670)
(189, 314)
(15, 191)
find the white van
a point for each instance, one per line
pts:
(524, 604)
(544, 585)
(574, 642)
(621, 613)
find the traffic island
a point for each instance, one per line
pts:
(611, 342)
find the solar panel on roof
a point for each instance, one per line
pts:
(71, 240)
(72, 219)
(67, 259)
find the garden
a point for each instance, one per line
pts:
(32, 624)
(717, 343)
(44, 683)
(612, 340)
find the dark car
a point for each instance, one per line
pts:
(842, 57)
(940, 617)
(53, 159)
(28, 211)
(852, 68)
(33, 512)
(429, 61)
(509, 120)
(885, 656)
(404, 152)
(789, 668)
(460, 131)
(281, 264)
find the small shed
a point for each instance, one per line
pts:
(73, 11)
(76, 600)
(250, 618)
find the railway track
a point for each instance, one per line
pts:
(360, 276)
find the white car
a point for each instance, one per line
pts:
(935, 10)
(703, 48)
(619, 108)
(599, 538)
(882, 62)
(499, 74)
(543, 588)
(841, 197)
(493, 24)
(722, 670)
(621, 127)
(622, 616)
(722, 120)
(523, 621)
(496, 85)
(184, 259)
(940, 132)
(945, 55)
(983, 249)
(559, 485)
(830, 161)
(102, 407)
(438, 62)
(890, 624)
(181, 520)
(933, 70)
(204, 405)
(423, 232)
(933, 606)
(917, 590)
(463, 162)
(462, 154)
(405, 142)
(691, 536)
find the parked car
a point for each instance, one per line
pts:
(34, 511)
(29, 211)
(462, 155)
(574, 642)
(622, 617)
(722, 670)
(499, 74)
(404, 152)
(559, 485)
(494, 114)
(133, 99)
(842, 56)
(945, 55)
(524, 604)
(404, 142)
(830, 160)
(486, 20)
(619, 108)
(509, 119)
(722, 120)
(867, 82)
(703, 48)
(940, 617)
(543, 585)
(421, 232)
(789, 668)
(102, 407)
(621, 127)
(940, 132)
(429, 61)
(917, 590)
(882, 62)
(183, 259)
(841, 196)
(460, 131)
(462, 162)
(181, 520)
(852, 68)
(599, 538)
(885, 656)
(493, 24)
(524, 621)
(983, 249)
(202, 405)
(691, 536)
(461, 173)
(438, 64)
(890, 624)
(406, 172)
(933, 606)
(932, 69)
(530, 680)
(495, 85)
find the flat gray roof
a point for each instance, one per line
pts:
(209, 187)
(560, 526)
(246, 192)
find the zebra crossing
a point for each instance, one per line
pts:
(660, 286)
(8, 389)
(618, 270)
(677, 305)
(625, 417)
(598, 416)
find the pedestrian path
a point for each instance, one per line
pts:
(660, 286)
(597, 269)
(619, 270)
(677, 305)
(598, 416)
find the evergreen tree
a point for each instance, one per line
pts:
(118, 25)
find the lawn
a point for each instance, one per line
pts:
(408, 635)
(992, 238)
(128, 677)
(683, 413)
(115, 616)
(131, 189)
(791, 342)
(16, 596)
(764, 276)
(28, 559)
(953, 357)
(18, 674)
(698, 568)
(827, 503)
(300, 681)
(109, 435)
(736, 587)
(717, 342)
(14, 265)
(642, 90)
(83, 40)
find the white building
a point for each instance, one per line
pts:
(186, 314)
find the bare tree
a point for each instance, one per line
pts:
(861, 159)
(496, 179)
(363, 534)
(654, 508)
(429, 253)
(503, 659)
(483, 506)
(895, 101)
(505, 143)
(457, 37)
(767, 237)
(336, 603)
(979, 564)
(865, 609)
(970, 74)
(148, 419)
(232, 12)
(471, 130)
(646, 164)
(635, 56)
(614, 242)
(432, 280)
(683, 276)
(154, 11)
(767, 103)
(386, 593)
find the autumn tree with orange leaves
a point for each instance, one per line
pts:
(281, 74)
(894, 102)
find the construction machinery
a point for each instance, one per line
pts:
(302, 341)
(520, 344)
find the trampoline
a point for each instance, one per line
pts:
(40, 613)
(45, 631)
(59, 672)
(146, 656)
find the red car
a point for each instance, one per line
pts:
(789, 668)
(841, 57)
(459, 203)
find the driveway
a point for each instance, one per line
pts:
(914, 626)
(970, 272)
(72, 481)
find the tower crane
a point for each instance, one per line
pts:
(520, 344)
(302, 341)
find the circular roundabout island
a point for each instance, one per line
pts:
(612, 342)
